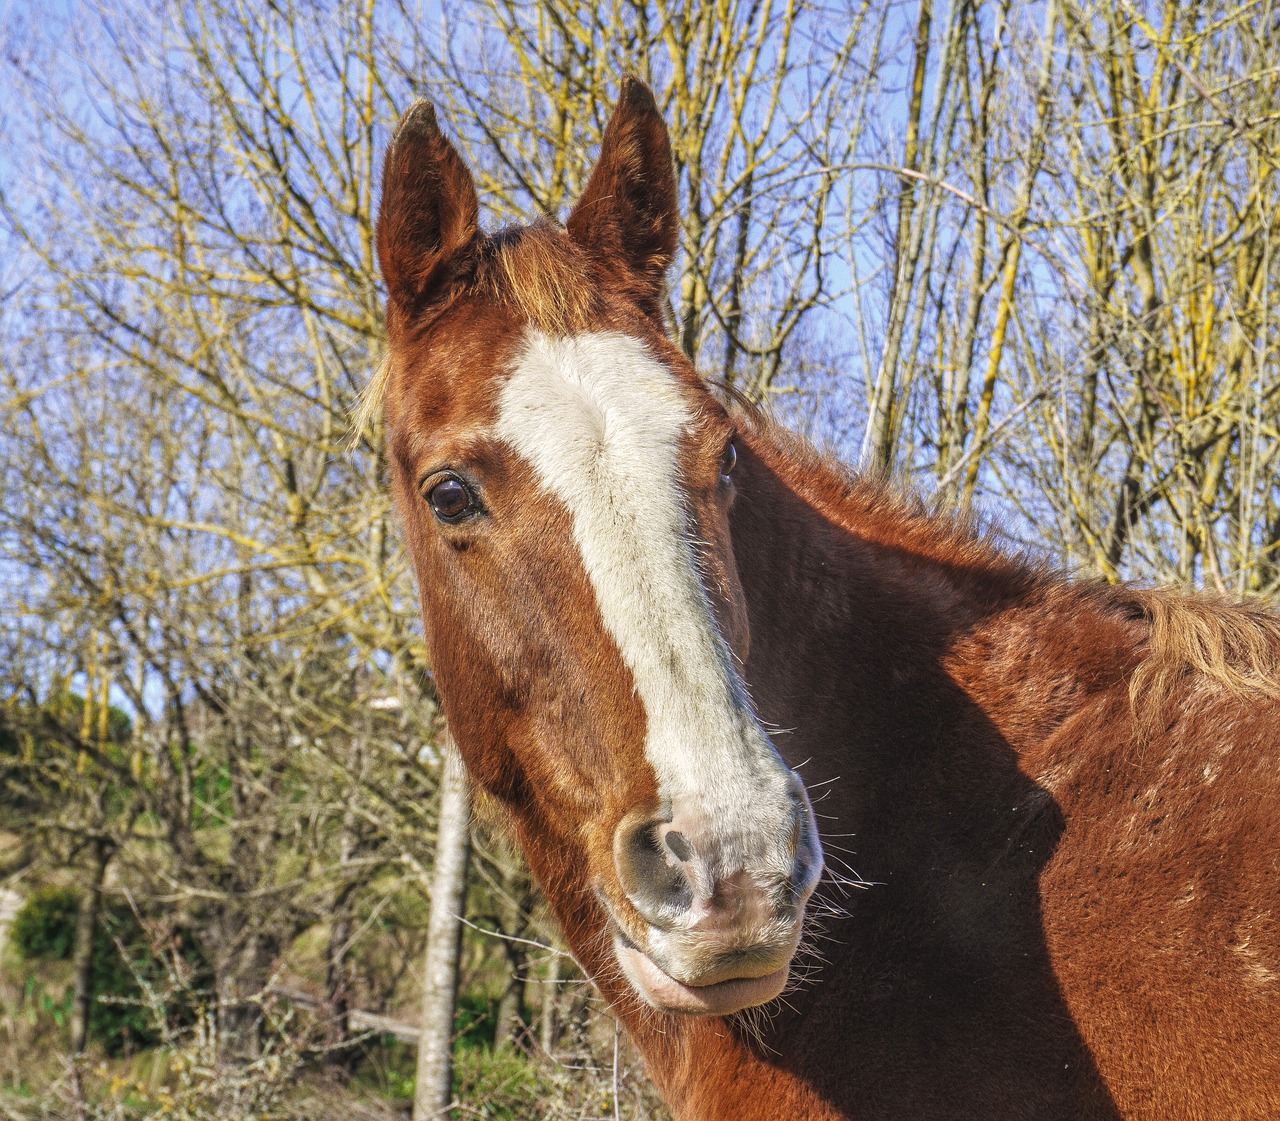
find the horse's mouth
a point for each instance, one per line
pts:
(658, 988)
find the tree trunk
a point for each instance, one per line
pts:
(341, 1059)
(884, 408)
(515, 901)
(82, 954)
(242, 975)
(433, 1091)
(547, 1027)
(507, 1022)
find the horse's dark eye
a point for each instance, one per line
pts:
(729, 460)
(450, 500)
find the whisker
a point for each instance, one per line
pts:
(822, 782)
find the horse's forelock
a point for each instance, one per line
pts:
(539, 273)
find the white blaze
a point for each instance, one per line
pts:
(601, 422)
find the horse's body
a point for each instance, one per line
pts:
(1072, 918)
(1065, 798)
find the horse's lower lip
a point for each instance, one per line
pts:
(664, 992)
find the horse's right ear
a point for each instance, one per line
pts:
(429, 211)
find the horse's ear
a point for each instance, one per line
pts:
(429, 211)
(628, 216)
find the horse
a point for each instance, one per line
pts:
(650, 610)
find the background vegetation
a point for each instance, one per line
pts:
(1023, 255)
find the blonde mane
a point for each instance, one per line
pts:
(1236, 646)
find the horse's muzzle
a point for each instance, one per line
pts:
(721, 907)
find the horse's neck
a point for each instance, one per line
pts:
(850, 631)
(874, 627)
(845, 610)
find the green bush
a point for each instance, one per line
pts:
(121, 955)
(388, 1067)
(45, 926)
(475, 1020)
(119, 1021)
(505, 1082)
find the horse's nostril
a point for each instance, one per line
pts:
(658, 890)
(676, 875)
(679, 846)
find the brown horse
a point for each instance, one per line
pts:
(1064, 798)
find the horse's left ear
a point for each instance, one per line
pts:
(629, 215)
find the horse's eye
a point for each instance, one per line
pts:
(729, 459)
(450, 500)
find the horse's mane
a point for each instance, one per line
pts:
(1233, 644)
(542, 275)
(884, 511)
(1228, 644)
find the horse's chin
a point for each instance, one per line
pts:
(659, 989)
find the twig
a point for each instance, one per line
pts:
(512, 938)
(617, 1030)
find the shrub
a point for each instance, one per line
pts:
(45, 926)
(505, 1082)
(123, 961)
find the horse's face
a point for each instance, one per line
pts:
(564, 481)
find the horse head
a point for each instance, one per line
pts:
(564, 480)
